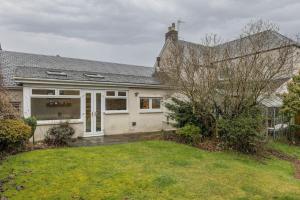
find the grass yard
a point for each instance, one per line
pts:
(290, 150)
(147, 170)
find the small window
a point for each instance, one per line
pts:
(150, 103)
(116, 104)
(144, 103)
(69, 92)
(110, 93)
(224, 74)
(122, 94)
(156, 103)
(16, 105)
(43, 92)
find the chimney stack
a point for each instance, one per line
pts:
(0, 47)
(172, 34)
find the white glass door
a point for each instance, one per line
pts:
(93, 113)
(98, 112)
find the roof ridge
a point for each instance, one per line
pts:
(72, 58)
(241, 38)
(224, 43)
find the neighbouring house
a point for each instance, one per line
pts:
(274, 41)
(97, 98)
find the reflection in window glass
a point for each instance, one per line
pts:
(122, 94)
(88, 112)
(110, 93)
(98, 111)
(55, 108)
(144, 103)
(69, 92)
(43, 92)
(156, 103)
(116, 104)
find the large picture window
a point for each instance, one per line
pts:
(116, 101)
(54, 104)
(55, 108)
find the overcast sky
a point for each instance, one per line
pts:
(129, 31)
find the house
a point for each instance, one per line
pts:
(96, 98)
(273, 43)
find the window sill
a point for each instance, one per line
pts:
(150, 111)
(116, 112)
(56, 122)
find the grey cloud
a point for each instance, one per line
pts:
(131, 30)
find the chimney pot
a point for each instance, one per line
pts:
(172, 34)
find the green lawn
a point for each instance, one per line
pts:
(288, 149)
(146, 170)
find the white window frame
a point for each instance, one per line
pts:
(116, 97)
(150, 109)
(58, 92)
(27, 96)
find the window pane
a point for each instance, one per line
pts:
(122, 94)
(69, 92)
(110, 93)
(16, 105)
(144, 103)
(98, 111)
(156, 103)
(116, 104)
(88, 112)
(43, 92)
(55, 108)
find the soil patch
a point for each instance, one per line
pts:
(297, 169)
(210, 145)
(284, 156)
(207, 144)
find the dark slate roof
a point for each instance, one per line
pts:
(197, 48)
(43, 73)
(271, 39)
(35, 66)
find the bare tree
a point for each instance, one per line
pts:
(228, 77)
(189, 70)
(7, 111)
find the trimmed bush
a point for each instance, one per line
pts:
(13, 135)
(60, 135)
(243, 133)
(190, 134)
